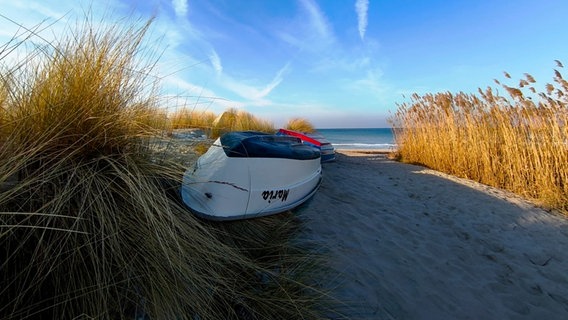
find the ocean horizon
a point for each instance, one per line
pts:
(359, 138)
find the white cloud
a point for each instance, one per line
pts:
(181, 93)
(180, 7)
(317, 18)
(318, 26)
(275, 82)
(21, 19)
(310, 31)
(186, 87)
(216, 62)
(362, 8)
(372, 81)
(254, 93)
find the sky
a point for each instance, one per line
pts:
(336, 63)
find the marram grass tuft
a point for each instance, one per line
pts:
(238, 120)
(88, 226)
(301, 125)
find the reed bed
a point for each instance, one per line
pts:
(517, 142)
(90, 224)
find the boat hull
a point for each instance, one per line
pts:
(220, 187)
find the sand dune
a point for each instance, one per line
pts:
(412, 243)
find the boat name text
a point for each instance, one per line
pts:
(270, 195)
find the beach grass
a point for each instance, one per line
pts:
(192, 118)
(239, 120)
(517, 141)
(215, 125)
(90, 224)
(300, 125)
(231, 119)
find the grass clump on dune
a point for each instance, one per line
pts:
(216, 125)
(230, 120)
(191, 118)
(519, 143)
(239, 120)
(300, 125)
(87, 227)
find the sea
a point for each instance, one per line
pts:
(360, 138)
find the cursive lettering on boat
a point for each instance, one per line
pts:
(270, 195)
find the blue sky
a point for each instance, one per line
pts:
(337, 63)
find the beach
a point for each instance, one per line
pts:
(407, 242)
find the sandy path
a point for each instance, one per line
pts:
(412, 243)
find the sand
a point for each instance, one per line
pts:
(412, 243)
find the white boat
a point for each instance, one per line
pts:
(248, 174)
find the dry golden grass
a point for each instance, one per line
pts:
(90, 224)
(300, 125)
(191, 118)
(216, 125)
(513, 143)
(239, 120)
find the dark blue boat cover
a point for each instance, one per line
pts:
(253, 144)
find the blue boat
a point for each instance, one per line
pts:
(315, 140)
